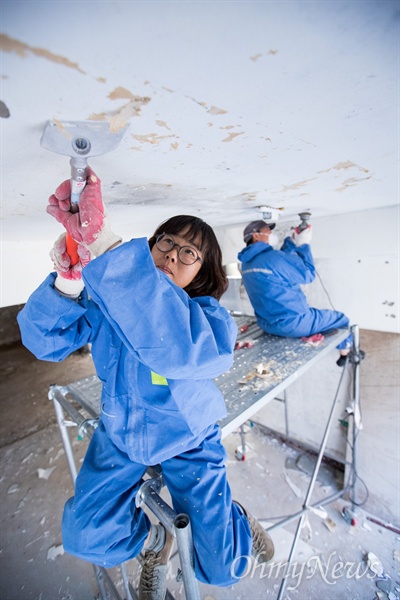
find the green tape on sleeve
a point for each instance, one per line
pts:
(158, 379)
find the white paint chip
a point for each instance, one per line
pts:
(45, 473)
(55, 551)
(13, 488)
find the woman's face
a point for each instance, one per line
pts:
(170, 264)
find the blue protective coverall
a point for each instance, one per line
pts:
(272, 279)
(155, 350)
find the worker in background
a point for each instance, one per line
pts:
(159, 336)
(272, 279)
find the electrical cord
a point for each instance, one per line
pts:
(325, 290)
(353, 473)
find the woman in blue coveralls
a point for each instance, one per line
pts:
(150, 310)
(272, 279)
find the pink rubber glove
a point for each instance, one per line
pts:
(86, 224)
(302, 237)
(89, 225)
(69, 277)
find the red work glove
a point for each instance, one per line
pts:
(89, 225)
(302, 237)
(69, 277)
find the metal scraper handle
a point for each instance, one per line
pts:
(78, 178)
(80, 140)
(78, 182)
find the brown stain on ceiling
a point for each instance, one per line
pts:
(251, 196)
(118, 120)
(162, 124)
(352, 182)
(305, 142)
(346, 164)
(97, 117)
(121, 93)
(214, 110)
(255, 57)
(296, 186)
(153, 138)
(61, 128)
(132, 109)
(8, 44)
(244, 197)
(232, 136)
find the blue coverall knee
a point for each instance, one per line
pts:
(198, 486)
(101, 523)
(309, 323)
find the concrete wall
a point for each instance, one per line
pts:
(9, 330)
(379, 442)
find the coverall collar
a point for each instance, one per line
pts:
(249, 252)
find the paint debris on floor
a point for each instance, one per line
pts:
(334, 558)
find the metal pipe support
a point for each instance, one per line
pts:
(148, 494)
(64, 435)
(355, 360)
(183, 533)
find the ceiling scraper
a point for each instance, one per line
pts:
(80, 140)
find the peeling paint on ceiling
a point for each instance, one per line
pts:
(230, 105)
(8, 44)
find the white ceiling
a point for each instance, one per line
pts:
(230, 105)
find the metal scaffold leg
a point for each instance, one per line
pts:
(355, 359)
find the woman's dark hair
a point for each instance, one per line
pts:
(211, 279)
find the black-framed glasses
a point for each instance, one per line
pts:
(188, 255)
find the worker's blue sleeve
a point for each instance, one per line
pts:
(52, 326)
(174, 335)
(301, 268)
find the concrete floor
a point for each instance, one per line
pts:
(330, 558)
